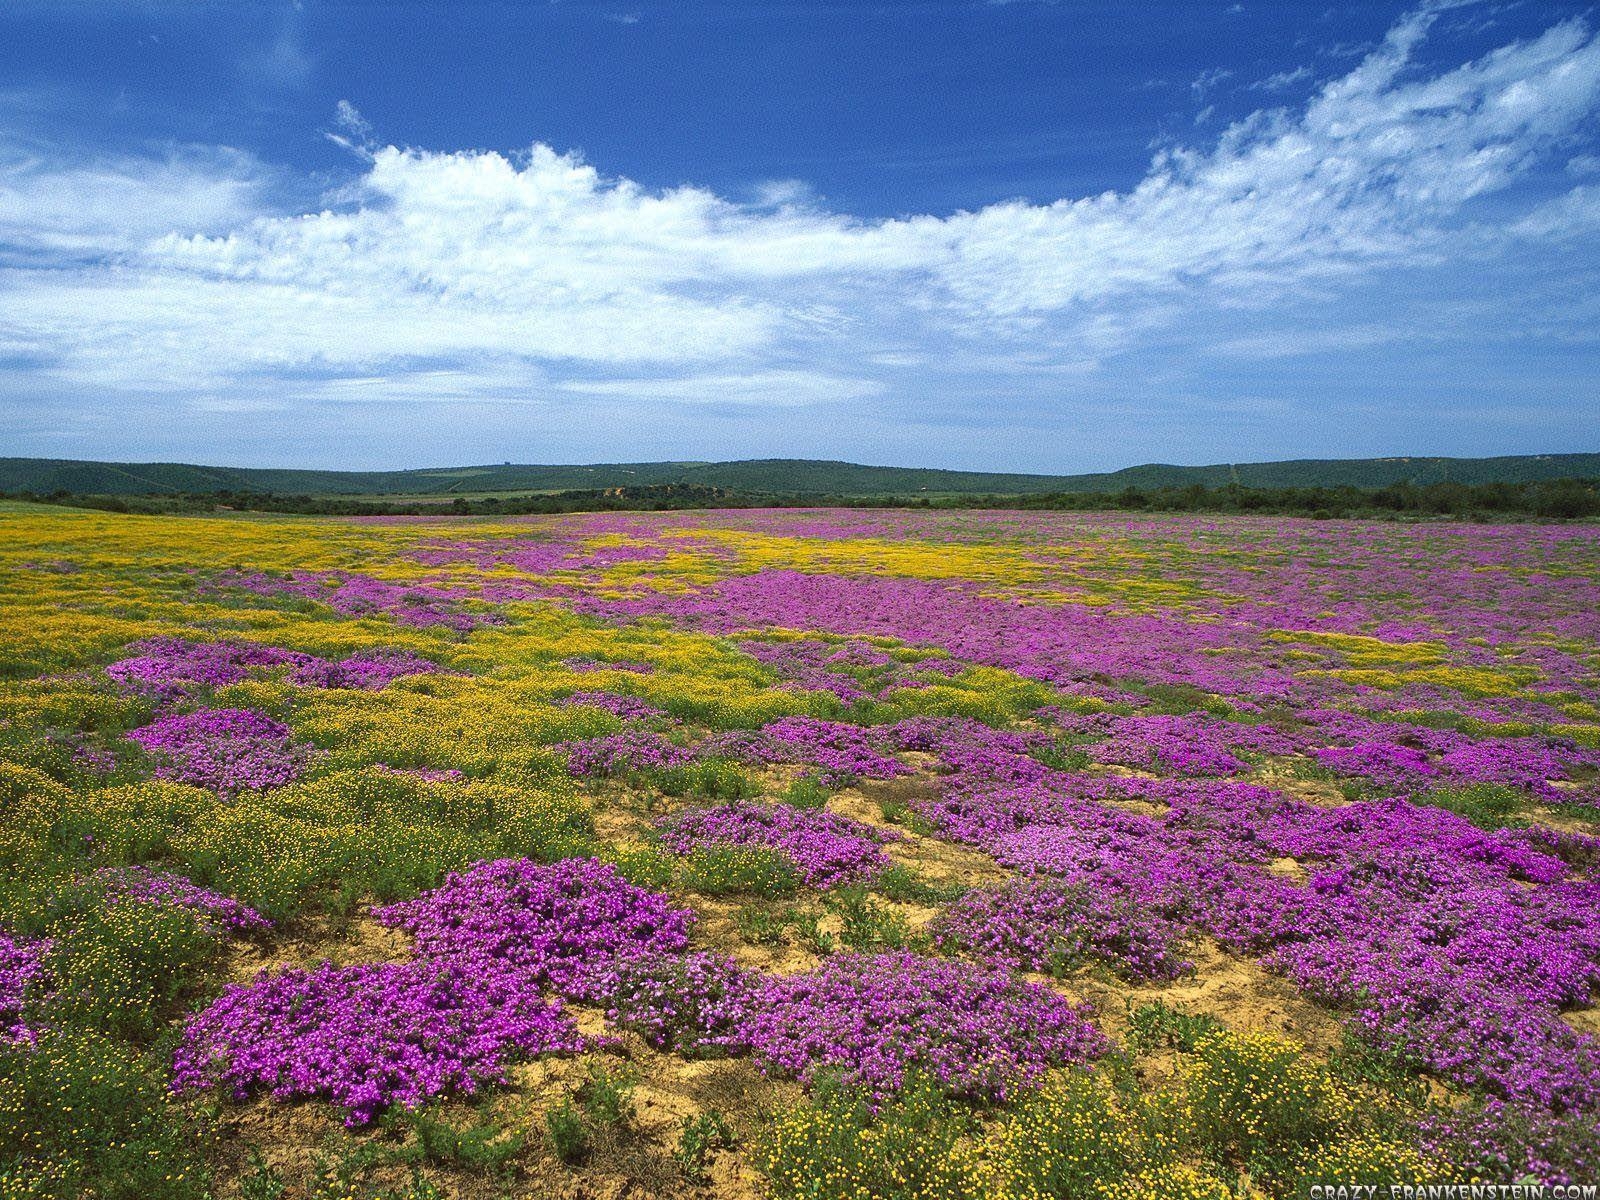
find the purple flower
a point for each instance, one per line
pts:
(369, 1036)
(872, 1018)
(143, 884)
(557, 924)
(827, 849)
(227, 750)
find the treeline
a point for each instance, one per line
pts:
(1546, 500)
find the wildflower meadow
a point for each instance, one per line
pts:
(805, 854)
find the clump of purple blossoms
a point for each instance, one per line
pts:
(1045, 925)
(695, 1004)
(843, 751)
(873, 1018)
(23, 976)
(1195, 744)
(1386, 763)
(629, 708)
(143, 884)
(370, 670)
(228, 750)
(622, 753)
(165, 668)
(827, 849)
(560, 925)
(369, 1036)
(416, 604)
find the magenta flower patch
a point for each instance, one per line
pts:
(827, 849)
(873, 1018)
(228, 750)
(366, 1037)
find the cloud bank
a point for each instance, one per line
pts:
(474, 276)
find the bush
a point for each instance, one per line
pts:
(740, 870)
(124, 966)
(607, 1095)
(1486, 805)
(711, 779)
(701, 1135)
(805, 792)
(1158, 1026)
(568, 1135)
(1078, 1138)
(84, 1114)
(1258, 1102)
(481, 1146)
(866, 925)
(842, 1146)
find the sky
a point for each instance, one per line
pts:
(1011, 235)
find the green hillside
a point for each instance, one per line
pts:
(779, 476)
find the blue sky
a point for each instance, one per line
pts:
(1021, 235)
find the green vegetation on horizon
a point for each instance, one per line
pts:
(771, 477)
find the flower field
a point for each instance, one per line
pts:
(808, 854)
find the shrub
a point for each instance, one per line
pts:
(607, 1095)
(845, 1146)
(805, 792)
(701, 1136)
(125, 966)
(740, 870)
(1080, 1138)
(481, 1146)
(1259, 1102)
(760, 926)
(568, 1135)
(866, 925)
(1157, 1026)
(84, 1114)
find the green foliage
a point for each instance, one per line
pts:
(1064, 754)
(261, 1181)
(898, 812)
(867, 925)
(842, 1145)
(1079, 1138)
(808, 928)
(482, 1146)
(1486, 805)
(1158, 1026)
(708, 779)
(606, 1096)
(740, 870)
(759, 926)
(805, 792)
(702, 1135)
(1257, 1102)
(644, 866)
(904, 886)
(84, 1114)
(568, 1134)
(124, 966)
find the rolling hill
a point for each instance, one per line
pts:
(782, 476)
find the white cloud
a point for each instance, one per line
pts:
(1280, 81)
(767, 388)
(109, 205)
(176, 274)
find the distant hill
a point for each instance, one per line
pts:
(776, 476)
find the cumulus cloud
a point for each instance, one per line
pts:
(179, 274)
